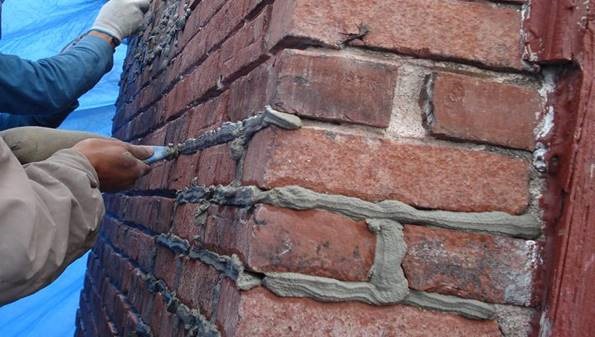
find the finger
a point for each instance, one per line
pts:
(143, 5)
(140, 151)
(135, 167)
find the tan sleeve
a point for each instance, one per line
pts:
(49, 216)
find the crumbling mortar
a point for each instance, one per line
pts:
(179, 51)
(229, 266)
(546, 119)
(162, 37)
(426, 103)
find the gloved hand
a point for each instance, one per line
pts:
(121, 18)
(117, 164)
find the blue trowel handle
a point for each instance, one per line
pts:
(159, 153)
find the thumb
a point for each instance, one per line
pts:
(140, 151)
(143, 5)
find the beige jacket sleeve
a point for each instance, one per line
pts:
(49, 216)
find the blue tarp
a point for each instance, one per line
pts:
(35, 29)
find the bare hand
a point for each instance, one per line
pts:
(118, 164)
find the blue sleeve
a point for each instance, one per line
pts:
(47, 90)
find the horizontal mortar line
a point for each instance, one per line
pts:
(299, 198)
(140, 227)
(389, 289)
(430, 140)
(231, 131)
(159, 286)
(120, 252)
(110, 280)
(160, 193)
(377, 55)
(230, 266)
(200, 60)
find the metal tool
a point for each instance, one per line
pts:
(160, 153)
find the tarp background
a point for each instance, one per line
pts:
(35, 29)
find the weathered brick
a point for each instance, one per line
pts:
(198, 286)
(428, 176)
(225, 232)
(473, 31)
(166, 267)
(154, 213)
(216, 166)
(314, 242)
(249, 94)
(163, 322)
(182, 171)
(467, 107)
(187, 223)
(263, 314)
(227, 308)
(208, 115)
(140, 247)
(307, 86)
(480, 266)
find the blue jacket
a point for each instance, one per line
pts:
(44, 92)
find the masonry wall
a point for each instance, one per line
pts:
(345, 168)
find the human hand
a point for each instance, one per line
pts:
(121, 18)
(117, 164)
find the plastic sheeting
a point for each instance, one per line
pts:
(35, 29)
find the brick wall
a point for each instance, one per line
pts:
(346, 168)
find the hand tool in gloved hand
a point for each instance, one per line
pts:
(32, 144)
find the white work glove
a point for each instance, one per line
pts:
(121, 18)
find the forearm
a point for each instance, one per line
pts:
(49, 213)
(51, 85)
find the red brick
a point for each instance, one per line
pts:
(166, 267)
(249, 95)
(163, 323)
(333, 87)
(154, 213)
(227, 317)
(473, 31)
(246, 46)
(428, 176)
(177, 130)
(314, 242)
(182, 171)
(216, 166)
(208, 115)
(467, 107)
(263, 314)
(225, 232)
(198, 283)
(186, 224)
(485, 267)
(140, 247)
(200, 16)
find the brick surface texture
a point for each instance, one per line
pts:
(178, 257)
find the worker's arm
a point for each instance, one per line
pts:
(51, 86)
(44, 92)
(50, 210)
